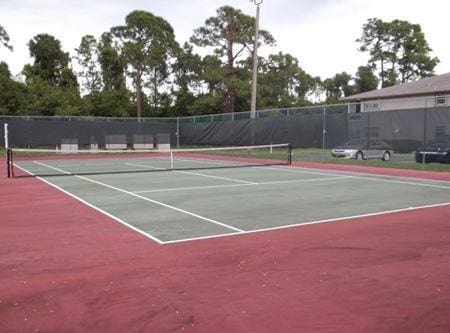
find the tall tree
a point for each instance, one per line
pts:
(51, 63)
(88, 59)
(4, 39)
(229, 33)
(187, 70)
(375, 40)
(52, 86)
(146, 41)
(111, 64)
(411, 52)
(398, 49)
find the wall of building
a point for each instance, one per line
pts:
(405, 103)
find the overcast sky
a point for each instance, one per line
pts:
(320, 33)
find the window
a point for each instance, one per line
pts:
(371, 106)
(441, 100)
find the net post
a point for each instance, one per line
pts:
(8, 152)
(8, 159)
(171, 159)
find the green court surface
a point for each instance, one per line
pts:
(181, 205)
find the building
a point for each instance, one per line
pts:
(429, 92)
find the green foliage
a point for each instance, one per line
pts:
(365, 80)
(51, 63)
(12, 93)
(42, 98)
(111, 64)
(283, 83)
(337, 87)
(146, 42)
(108, 103)
(87, 57)
(4, 39)
(398, 50)
(170, 80)
(229, 33)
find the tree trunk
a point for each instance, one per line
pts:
(230, 93)
(138, 91)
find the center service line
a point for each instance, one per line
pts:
(143, 198)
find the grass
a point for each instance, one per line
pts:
(407, 161)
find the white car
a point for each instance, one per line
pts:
(360, 150)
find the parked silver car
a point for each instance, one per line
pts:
(363, 149)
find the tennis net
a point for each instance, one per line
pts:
(53, 162)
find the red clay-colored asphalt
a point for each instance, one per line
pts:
(64, 267)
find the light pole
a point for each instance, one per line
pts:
(255, 60)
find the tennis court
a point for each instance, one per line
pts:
(221, 195)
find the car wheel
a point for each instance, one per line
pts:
(359, 155)
(386, 156)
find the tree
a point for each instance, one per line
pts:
(375, 40)
(51, 63)
(52, 87)
(187, 71)
(337, 87)
(365, 80)
(229, 33)
(87, 57)
(111, 64)
(283, 82)
(146, 41)
(410, 54)
(398, 49)
(4, 38)
(12, 93)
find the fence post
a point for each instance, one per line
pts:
(178, 132)
(324, 128)
(6, 135)
(425, 125)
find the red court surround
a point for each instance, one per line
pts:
(66, 267)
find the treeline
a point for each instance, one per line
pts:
(139, 69)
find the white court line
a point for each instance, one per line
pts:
(368, 176)
(144, 198)
(402, 182)
(192, 173)
(233, 234)
(94, 207)
(300, 169)
(239, 185)
(313, 222)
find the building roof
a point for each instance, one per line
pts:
(430, 85)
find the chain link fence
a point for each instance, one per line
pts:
(403, 132)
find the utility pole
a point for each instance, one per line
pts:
(255, 60)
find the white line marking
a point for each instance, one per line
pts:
(93, 207)
(238, 185)
(368, 176)
(144, 198)
(192, 173)
(314, 222)
(218, 177)
(300, 169)
(191, 188)
(402, 182)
